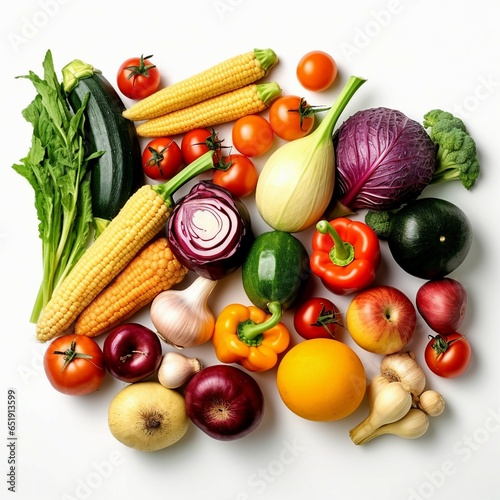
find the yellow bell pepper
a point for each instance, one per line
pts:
(250, 336)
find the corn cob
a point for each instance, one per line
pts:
(142, 217)
(224, 108)
(226, 76)
(153, 270)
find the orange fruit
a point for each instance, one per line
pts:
(321, 380)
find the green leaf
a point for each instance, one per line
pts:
(56, 168)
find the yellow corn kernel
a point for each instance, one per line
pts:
(141, 218)
(224, 77)
(153, 270)
(224, 108)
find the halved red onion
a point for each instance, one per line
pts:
(210, 231)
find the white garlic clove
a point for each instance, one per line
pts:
(431, 402)
(402, 367)
(176, 369)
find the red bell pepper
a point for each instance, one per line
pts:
(345, 256)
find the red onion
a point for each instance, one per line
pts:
(210, 231)
(224, 402)
(442, 304)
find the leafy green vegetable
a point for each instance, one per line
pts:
(56, 168)
(456, 157)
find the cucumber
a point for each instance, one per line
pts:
(276, 269)
(117, 173)
(428, 238)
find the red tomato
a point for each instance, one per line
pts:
(197, 142)
(74, 364)
(448, 355)
(240, 179)
(317, 318)
(252, 135)
(137, 78)
(162, 159)
(316, 70)
(291, 117)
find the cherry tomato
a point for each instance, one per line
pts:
(317, 317)
(137, 78)
(316, 71)
(252, 135)
(240, 179)
(291, 117)
(448, 355)
(162, 159)
(197, 142)
(74, 364)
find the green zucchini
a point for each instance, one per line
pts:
(117, 173)
(428, 238)
(276, 269)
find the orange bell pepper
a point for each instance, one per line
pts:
(250, 336)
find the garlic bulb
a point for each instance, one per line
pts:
(402, 367)
(431, 402)
(374, 387)
(391, 404)
(182, 318)
(412, 426)
(176, 369)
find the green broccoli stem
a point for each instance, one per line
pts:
(445, 169)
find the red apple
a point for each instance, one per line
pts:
(381, 319)
(442, 304)
(132, 352)
(224, 402)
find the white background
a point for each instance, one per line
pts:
(416, 55)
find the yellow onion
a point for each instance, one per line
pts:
(296, 183)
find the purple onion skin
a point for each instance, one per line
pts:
(210, 231)
(225, 402)
(383, 160)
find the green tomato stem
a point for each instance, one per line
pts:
(71, 354)
(440, 344)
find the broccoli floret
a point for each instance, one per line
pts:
(380, 222)
(456, 157)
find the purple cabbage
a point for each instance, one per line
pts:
(383, 159)
(209, 231)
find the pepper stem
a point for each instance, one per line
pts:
(249, 331)
(342, 252)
